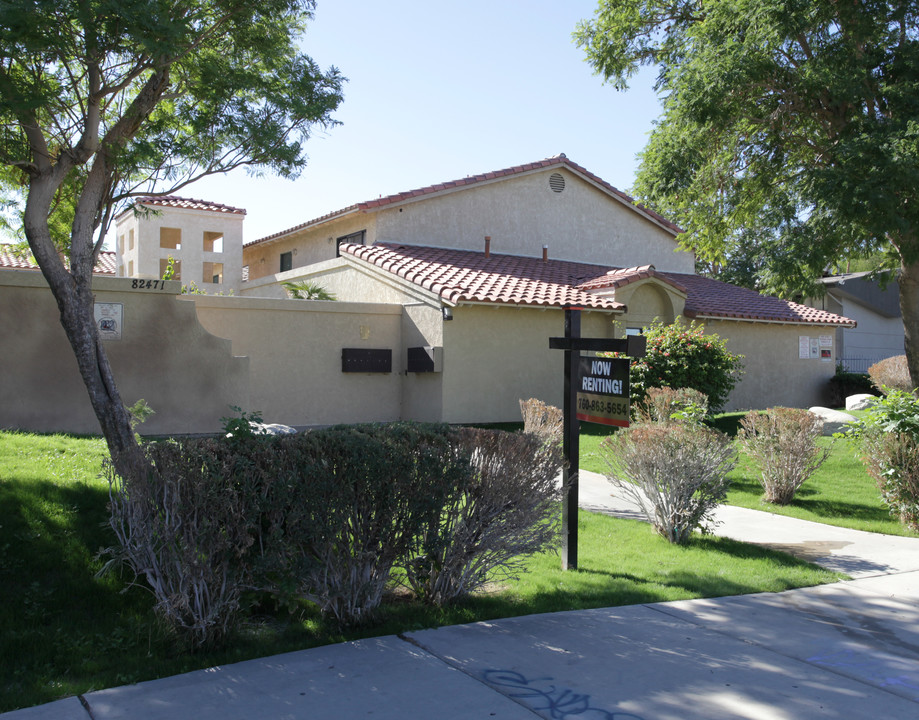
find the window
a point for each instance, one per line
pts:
(633, 331)
(213, 273)
(356, 237)
(130, 240)
(287, 261)
(170, 238)
(213, 241)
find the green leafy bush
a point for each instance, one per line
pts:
(783, 443)
(505, 509)
(676, 473)
(683, 356)
(889, 438)
(843, 384)
(891, 374)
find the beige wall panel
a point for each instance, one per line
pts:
(188, 376)
(294, 350)
(310, 245)
(773, 373)
(522, 214)
(494, 357)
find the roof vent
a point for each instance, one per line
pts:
(556, 182)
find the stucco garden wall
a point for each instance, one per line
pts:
(774, 373)
(295, 356)
(188, 376)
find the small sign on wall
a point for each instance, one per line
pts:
(109, 320)
(813, 348)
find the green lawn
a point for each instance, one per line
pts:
(65, 631)
(839, 493)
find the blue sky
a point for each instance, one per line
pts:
(441, 90)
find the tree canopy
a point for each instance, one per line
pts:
(791, 124)
(102, 100)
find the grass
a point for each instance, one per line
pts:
(840, 493)
(65, 631)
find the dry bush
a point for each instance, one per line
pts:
(892, 459)
(676, 473)
(783, 443)
(891, 374)
(505, 509)
(361, 495)
(183, 526)
(544, 421)
(666, 405)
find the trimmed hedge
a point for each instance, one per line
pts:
(330, 516)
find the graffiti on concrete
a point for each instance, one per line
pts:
(541, 694)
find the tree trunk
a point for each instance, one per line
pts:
(73, 293)
(909, 308)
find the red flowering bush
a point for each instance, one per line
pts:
(683, 356)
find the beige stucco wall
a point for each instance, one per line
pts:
(295, 348)
(313, 244)
(494, 357)
(188, 376)
(773, 373)
(522, 214)
(193, 224)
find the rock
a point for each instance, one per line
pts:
(862, 401)
(834, 421)
(272, 429)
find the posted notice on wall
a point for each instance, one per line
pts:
(109, 319)
(813, 348)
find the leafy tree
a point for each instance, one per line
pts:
(102, 100)
(797, 119)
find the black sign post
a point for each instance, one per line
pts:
(573, 344)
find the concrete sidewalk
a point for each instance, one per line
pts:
(847, 650)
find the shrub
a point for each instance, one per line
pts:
(889, 437)
(891, 374)
(181, 524)
(783, 443)
(676, 473)
(505, 509)
(545, 421)
(667, 405)
(843, 384)
(347, 502)
(681, 356)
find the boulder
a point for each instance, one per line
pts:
(862, 401)
(272, 429)
(834, 421)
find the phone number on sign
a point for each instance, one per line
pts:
(606, 407)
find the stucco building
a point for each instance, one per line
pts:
(446, 298)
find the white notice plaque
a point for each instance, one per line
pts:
(109, 317)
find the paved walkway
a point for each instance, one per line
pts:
(847, 650)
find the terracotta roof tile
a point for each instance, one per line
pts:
(185, 203)
(560, 160)
(463, 276)
(459, 276)
(105, 262)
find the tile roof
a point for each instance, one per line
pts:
(184, 203)
(459, 276)
(560, 160)
(463, 276)
(14, 260)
